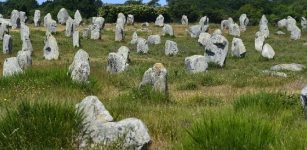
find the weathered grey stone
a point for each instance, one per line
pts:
(62, 16)
(51, 49)
(24, 31)
(243, 22)
(259, 41)
(22, 17)
(85, 33)
(216, 49)
(275, 73)
(51, 25)
(156, 77)
(77, 18)
(145, 24)
(26, 44)
(11, 67)
(167, 30)
(225, 24)
(196, 63)
(98, 21)
(95, 31)
(76, 39)
(289, 67)
(267, 51)
(118, 62)
(15, 20)
(37, 18)
(263, 27)
(159, 21)
(204, 23)
(24, 59)
(7, 44)
(237, 48)
(184, 20)
(304, 97)
(234, 30)
(134, 39)
(130, 19)
(119, 30)
(280, 33)
(80, 68)
(291, 23)
(123, 17)
(3, 30)
(69, 27)
(217, 31)
(46, 18)
(282, 23)
(203, 38)
(171, 48)
(304, 23)
(295, 33)
(154, 39)
(195, 31)
(1, 16)
(142, 46)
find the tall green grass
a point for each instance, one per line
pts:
(40, 125)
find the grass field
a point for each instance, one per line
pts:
(203, 110)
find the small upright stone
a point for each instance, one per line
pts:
(156, 77)
(184, 20)
(237, 48)
(15, 19)
(77, 18)
(76, 39)
(168, 30)
(130, 19)
(243, 22)
(37, 18)
(142, 46)
(304, 23)
(171, 48)
(234, 30)
(69, 27)
(225, 24)
(216, 49)
(51, 49)
(159, 21)
(51, 25)
(3, 30)
(62, 16)
(154, 39)
(268, 52)
(263, 26)
(46, 18)
(79, 70)
(24, 59)
(7, 44)
(134, 38)
(119, 30)
(118, 62)
(295, 33)
(195, 31)
(196, 63)
(22, 17)
(203, 38)
(11, 67)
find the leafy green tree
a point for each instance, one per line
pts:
(21, 5)
(134, 2)
(154, 3)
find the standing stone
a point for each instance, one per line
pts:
(11, 67)
(69, 27)
(24, 59)
(203, 38)
(95, 31)
(142, 46)
(98, 21)
(1, 16)
(216, 49)
(184, 20)
(195, 31)
(26, 44)
(130, 19)
(291, 23)
(62, 16)
(282, 23)
(118, 62)
(15, 20)
(23, 17)
(154, 39)
(85, 33)
(237, 48)
(243, 22)
(264, 28)
(123, 17)
(217, 31)
(171, 48)
(259, 41)
(167, 30)
(225, 24)
(204, 22)
(80, 68)
(145, 24)
(159, 21)
(3, 30)
(295, 33)
(77, 18)
(196, 63)
(51, 49)
(304, 23)
(119, 30)
(134, 39)
(234, 30)
(51, 25)
(46, 18)
(7, 44)
(37, 18)
(156, 77)
(76, 39)
(268, 52)
(24, 31)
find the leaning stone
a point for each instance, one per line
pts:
(159, 21)
(134, 38)
(289, 67)
(7, 44)
(77, 18)
(268, 52)
(51, 49)
(142, 46)
(76, 39)
(154, 39)
(62, 16)
(15, 19)
(171, 48)
(22, 16)
(275, 73)
(216, 49)
(203, 38)
(196, 63)
(167, 30)
(238, 49)
(37, 18)
(184, 20)
(130, 19)
(24, 59)
(234, 30)
(11, 67)
(156, 77)
(243, 22)
(80, 68)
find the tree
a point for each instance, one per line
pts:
(134, 2)
(24, 5)
(154, 3)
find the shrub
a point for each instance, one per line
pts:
(40, 125)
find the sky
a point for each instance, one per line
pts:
(162, 2)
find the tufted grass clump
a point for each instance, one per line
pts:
(230, 131)
(40, 125)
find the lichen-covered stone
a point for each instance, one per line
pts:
(154, 39)
(80, 68)
(51, 49)
(62, 16)
(171, 48)
(167, 30)
(216, 49)
(7, 44)
(11, 67)
(196, 63)
(267, 51)
(142, 46)
(37, 18)
(159, 21)
(237, 48)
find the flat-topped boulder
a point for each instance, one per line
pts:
(79, 70)
(243, 22)
(11, 67)
(51, 49)
(216, 49)
(171, 48)
(196, 63)
(154, 39)
(237, 48)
